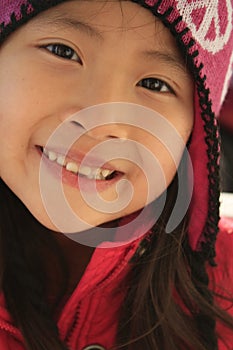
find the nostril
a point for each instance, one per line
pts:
(78, 124)
(112, 137)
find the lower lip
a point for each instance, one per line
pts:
(73, 180)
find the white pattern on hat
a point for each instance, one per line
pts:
(201, 30)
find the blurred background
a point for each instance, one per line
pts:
(226, 130)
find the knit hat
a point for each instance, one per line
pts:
(204, 33)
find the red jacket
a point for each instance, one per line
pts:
(89, 317)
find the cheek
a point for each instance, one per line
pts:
(162, 164)
(17, 98)
(26, 88)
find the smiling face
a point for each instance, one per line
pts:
(77, 55)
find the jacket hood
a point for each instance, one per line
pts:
(204, 34)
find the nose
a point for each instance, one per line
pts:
(110, 131)
(107, 84)
(106, 112)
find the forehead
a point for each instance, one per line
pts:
(107, 16)
(114, 13)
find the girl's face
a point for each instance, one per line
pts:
(76, 55)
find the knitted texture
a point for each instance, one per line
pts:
(203, 30)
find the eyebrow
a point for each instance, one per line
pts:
(174, 61)
(73, 23)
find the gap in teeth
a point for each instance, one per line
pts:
(75, 168)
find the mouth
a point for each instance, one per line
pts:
(74, 167)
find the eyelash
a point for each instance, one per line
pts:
(66, 52)
(155, 85)
(63, 51)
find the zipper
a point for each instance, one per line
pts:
(74, 326)
(102, 284)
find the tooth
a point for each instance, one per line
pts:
(106, 172)
(45, 152)
(97, 174)
(84, 170)
(52, 155)
(61, 160)
(72, 167)
(92, 175)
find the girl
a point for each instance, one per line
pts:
(156, 291)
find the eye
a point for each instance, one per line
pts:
(155, 85)
(63, 51)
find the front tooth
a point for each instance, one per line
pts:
(84, 170)
(61, 160)
(52, 156)
(73, 167)
(92, 175)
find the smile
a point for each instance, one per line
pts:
(92, 173)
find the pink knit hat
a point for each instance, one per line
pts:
(204, 34)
